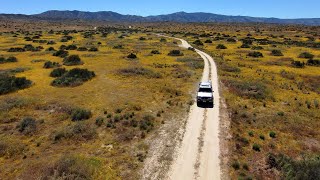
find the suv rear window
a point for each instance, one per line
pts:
(205, 90)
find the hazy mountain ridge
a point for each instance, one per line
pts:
(174, 17)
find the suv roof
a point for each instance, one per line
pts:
(205, 85)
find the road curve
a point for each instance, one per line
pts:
(198, 155)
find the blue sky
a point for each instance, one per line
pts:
(258, 8)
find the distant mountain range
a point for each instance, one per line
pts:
(175, 17)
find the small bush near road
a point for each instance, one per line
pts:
(175, 53)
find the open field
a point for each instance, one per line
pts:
(105, 120)
(93, 127)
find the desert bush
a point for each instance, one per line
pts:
(74, 77)
(256, 147)
(27, 125)
(16, 49)
(221, 46)
(313, 62)
(251, 134)
(51, 42)
(82, 49)
(276, 53)
(99, 121)
(78, 131)
(198, 42)
(175, 53)
(80, 114)
(139, 71)
(306, 55)
(298, 64)
(255, 54)
(49, 64)
(306, 168)
(132, 56)
(257, 48)
(73, 167)
(71, 47)
(163, 40)
(72, 60)
(245, 46)
(50, 49)
(208, 41)
(58, 72)
(10, 148)
(8, 60)
(10, 84)
(231, 40)
(93, 49)
(248, 89)
(262, 137)
(155, 52)
(236, 165)
(142, 38)
(147, 123)
(272, 134)
(63, 47)
(61, 53)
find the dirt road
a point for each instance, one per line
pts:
(198, 155)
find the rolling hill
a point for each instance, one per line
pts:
(174, 17)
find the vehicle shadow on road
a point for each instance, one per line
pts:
(205, 105)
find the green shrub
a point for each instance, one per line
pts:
(245, 46)
(147, 123)
(272, 134)
(27, 125)
(280, 113)
(58, 72)
(10, 83)
(8, 60)
(208, 41)
(99, 121)
(49, 64)
(61, 53)
(119, 46)
(74, 77)
(251, 134)
(236, 165)
(74, 167)
(198, 42)
(262, 137)
(155, 52)
(82, 49)
(306, 55)
(93, 49)
(257, 48)
(298, 64)
(16, 49)
(175, 53)
(132, 56)
(313, 62)
(77, 131)
(72, 60)
(255, 54)
(142, 38)
(80, 114)
(163, 40)
(221, 46)
(256, 147)
(276, 53)
(71, 47)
